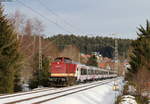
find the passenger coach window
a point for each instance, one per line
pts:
(89, 72)
(97, 72)
(92, 72)
(83, 71)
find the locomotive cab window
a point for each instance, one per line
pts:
(67, 60)
(58, 60)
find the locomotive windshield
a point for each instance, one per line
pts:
(67, 60)
(60, 59)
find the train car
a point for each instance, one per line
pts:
(65, 72)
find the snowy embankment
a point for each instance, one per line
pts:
(103, 94)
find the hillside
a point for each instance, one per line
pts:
(85, 44)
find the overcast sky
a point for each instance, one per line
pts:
(86, 17)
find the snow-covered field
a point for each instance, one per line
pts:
(103, 94)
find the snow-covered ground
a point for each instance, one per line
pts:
(103, 94)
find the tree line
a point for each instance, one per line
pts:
(87, 45)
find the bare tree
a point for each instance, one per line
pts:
(29, 31)
(28, 27)
(72, 52)
(38, 27)
(18, 21)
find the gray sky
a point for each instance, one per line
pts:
(86, 17)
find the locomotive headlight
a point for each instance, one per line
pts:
(57, 62)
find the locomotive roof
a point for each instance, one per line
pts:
(91, 67)
(63, 57)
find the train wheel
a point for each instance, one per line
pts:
(71, 81)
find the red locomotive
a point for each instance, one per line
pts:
(66, 72)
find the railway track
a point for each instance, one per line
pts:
(47, 94)
(25, 93)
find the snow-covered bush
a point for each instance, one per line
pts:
(128, 99)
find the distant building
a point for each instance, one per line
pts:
(106, 65)
(84, 57)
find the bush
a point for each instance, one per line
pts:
(33, 83)
(142, 100)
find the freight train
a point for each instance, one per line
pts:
(64, 72)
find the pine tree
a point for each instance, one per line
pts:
(17, 81)
(140, 59)
(40, 77)
(141, 50)
(9, 54)
(45, 72)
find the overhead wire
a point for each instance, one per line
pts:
(43, 16)
(58, 16)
